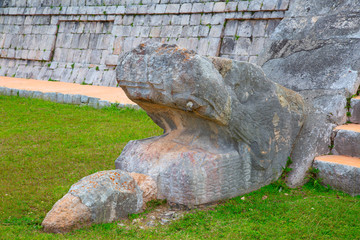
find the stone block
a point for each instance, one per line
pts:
(128, 19)
(135, 31)
(340, 176)
(277, 14)
(283, 4)
(227, 45)
(37, 95)
(60, 97)
(131, 9)
(213, 46)
(203, 46)
(104, 103)
(25, 93)
(215, 30)
(155, 32)
(139, 20)
(160, 8)
(142, 9)
(166, 20)
(355, 110)
(185, 8)
(84, 99)
(109, 79)
(94, 102)
(2, 90)
(120, 9)
(269, 5)
(208, 7)
(112, 60)
(197, 8)
(219, 7)
(76, 99)
(255, 5)
(172, 8)
(185, 18)
(102, 197)
(121, 31)
(231, 27)
(231, 6)
(244, 29)
(257, 46)
(242, 46)
(50, 96)
(218, 19)
(156, 20)
(347, 141)
(206, 19)
(151, 9)
(7, 91)
(259, 28)
(203, 31)
(68, 99)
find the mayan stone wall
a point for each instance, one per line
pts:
(81, 40)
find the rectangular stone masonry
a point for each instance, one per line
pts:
(83, 32)
(355, 110)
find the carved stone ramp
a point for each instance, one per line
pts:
(62, 92)
(340, 172)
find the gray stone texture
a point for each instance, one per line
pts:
(109, 195)
(217, 144)
(355, 110)
(67, 214)
(102, 197)
(338, 176)
(347, 143)
(88, 31)
(314, 51)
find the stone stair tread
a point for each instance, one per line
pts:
(357, 97)
(340, 159)
(349, 127)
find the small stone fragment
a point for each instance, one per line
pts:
(99, 198)
(67, 214)
(147, 186)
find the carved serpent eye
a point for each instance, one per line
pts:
(189, 105)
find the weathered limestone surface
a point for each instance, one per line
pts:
(147, 186)
(355, 110)
(315, 51)
(347, 142)
(67, 214)
(228, 130)
(81, 41)
(342, 177)
(99, 198)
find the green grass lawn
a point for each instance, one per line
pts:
(46, 147)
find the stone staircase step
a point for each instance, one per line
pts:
(347, 140)
(340, 172)
(355, 110)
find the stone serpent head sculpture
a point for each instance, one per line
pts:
(228, 130)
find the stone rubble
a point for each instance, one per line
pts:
(102, 197)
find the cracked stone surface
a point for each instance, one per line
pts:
(102, 197)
